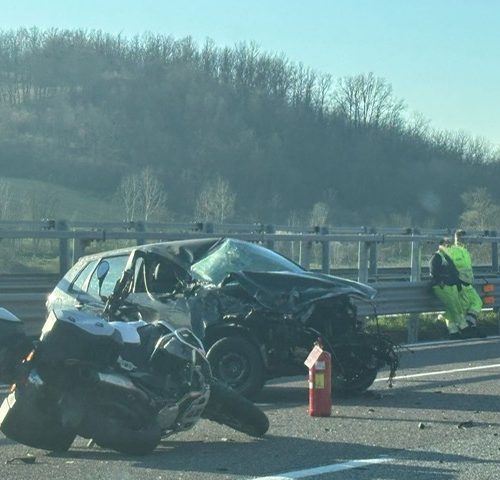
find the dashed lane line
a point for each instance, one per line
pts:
(441, 372)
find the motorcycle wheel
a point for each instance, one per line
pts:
(357, 383)
(117, 434)
(228, 407)
(238, 363)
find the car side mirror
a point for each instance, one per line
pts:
(102, 271)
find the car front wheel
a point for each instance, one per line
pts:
(237, 362)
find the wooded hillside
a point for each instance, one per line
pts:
(229, 132)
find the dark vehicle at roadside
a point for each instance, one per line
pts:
(257, 312)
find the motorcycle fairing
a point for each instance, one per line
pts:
(29, 416)
(129, 331)
(14, 344)
(71, 334)
(84, 321)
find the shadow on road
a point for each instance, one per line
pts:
(263, 457)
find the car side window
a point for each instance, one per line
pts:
(78, 284)
(163, 278)
(116, 267)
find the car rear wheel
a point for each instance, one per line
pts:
(237, 362)
(354, 384)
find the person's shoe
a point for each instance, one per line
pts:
(467, 332)
(476, 332)
(471, 321)
(456, 336)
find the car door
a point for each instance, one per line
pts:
(90, 292)
(157, 295)
(79, 288)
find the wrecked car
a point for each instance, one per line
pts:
(258, 313)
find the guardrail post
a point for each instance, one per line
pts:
(373, 256)
(62, 226)
(416, 251)
(305, 254)
(78, 249)
(325, 246)
(363, 262)
(208, 227)
(140, 228)
(494, 252)
(415, 275)
(270, 229)
(495, 268)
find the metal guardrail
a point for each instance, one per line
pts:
(75, 237)
(25, 296)
(32, 283)
(414, 298)
(392, 298)
(29, 307)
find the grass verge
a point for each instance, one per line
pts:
(429, 328)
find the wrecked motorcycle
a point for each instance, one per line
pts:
(124, 385)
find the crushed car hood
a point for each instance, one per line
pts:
(291, 291)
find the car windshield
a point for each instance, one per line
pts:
(236, 256)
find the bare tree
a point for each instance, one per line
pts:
(154, 198)
(481, 213)
(4, 199)
(417, 126)
(41, 203)
(319, 214)
(142, 195)
(216, 201)
(323, 88)
(479, 150)
(469, 148)
(10, 205)
(128, 194)
(367, 101)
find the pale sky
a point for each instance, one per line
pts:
(440, 56)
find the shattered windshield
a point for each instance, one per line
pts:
(236, 256)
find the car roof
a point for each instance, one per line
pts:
(189, 250)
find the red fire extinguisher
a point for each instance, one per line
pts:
(319, 363)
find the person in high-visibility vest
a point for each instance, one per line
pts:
(469, 298)
(445, 286)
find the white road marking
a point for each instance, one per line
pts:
(337, 467)
(441, 372)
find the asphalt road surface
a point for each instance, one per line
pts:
(439, 421)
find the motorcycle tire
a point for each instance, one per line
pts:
(237, 362)
(116, 434)
(228, 407)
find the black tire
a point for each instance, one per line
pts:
(358, 383)
(228, 407)
(127, 440)
(238, 363)
(119, 434)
